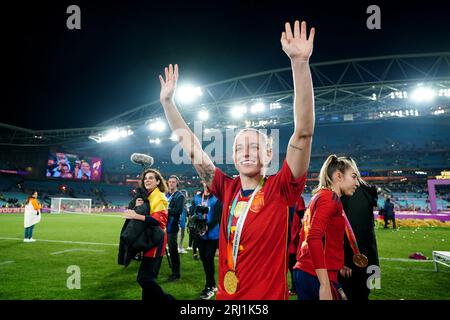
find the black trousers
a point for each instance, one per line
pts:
(292, 262)
(386, 221)
(173, 251)
(355, 287)
(147, 274)
(207, 249)
(193, 243)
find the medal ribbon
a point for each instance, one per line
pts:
(350, 234)
(233, 250)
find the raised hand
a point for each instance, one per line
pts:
(297, 45)
(169, 84)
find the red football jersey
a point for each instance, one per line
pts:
(262, 263)
(322, 235)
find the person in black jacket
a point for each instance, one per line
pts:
(156, 218)
(359, 209)
(176, 205)
(389, 213)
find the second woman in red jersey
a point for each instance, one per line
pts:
(320, 254)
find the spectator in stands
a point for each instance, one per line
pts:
(176, 204)
(32, 216)
(359, 209)
(208, 210)
(389, 213)
(156, 187)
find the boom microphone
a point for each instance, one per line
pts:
(142, 159)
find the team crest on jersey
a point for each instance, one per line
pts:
(258, 202)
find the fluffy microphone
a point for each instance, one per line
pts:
(142, 159)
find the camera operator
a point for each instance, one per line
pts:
(206, 212)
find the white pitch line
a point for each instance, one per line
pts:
(115, 245)
(404, 260)
(89, 214)
(6, 262)
(76, 249)
(419, 269)
(66, 241)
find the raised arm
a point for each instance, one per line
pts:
(299, 48)
(189, 142)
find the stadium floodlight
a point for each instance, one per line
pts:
(155, 141)
(203, 115)
(257, 107)
(444, 93)
(238, 111)
(112, 135)
(157, 125)
(174, 137)
(188, 93)
(275, 106)
(423, 94)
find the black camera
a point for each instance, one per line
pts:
(198, 225)
(201, 210)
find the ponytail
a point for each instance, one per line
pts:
(333, 163)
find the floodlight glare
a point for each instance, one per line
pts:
(423, 94)
(203, 115)
(238, 111)
(158, 125)
(174, 137)
(188, 93)
(257, 107)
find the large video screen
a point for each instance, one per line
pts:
(74, 167)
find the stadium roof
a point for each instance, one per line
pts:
(351, 90)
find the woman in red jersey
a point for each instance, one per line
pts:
(254, 225)
(320, 254)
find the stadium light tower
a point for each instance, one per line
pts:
(203, 115)
(423, 94)
(157, 125)
(188, 93)
(238, 111)
(174, 137)
(258, 107)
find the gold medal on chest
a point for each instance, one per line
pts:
(239, 209)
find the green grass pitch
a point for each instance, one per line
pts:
(39, 270)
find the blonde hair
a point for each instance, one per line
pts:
(267, 138)
(332, 164)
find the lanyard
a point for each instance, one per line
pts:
(232, 253)
(170, 198)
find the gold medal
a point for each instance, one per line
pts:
(240, 207)
(360, 260)
(230, 282)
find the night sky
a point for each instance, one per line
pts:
(58, 78)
